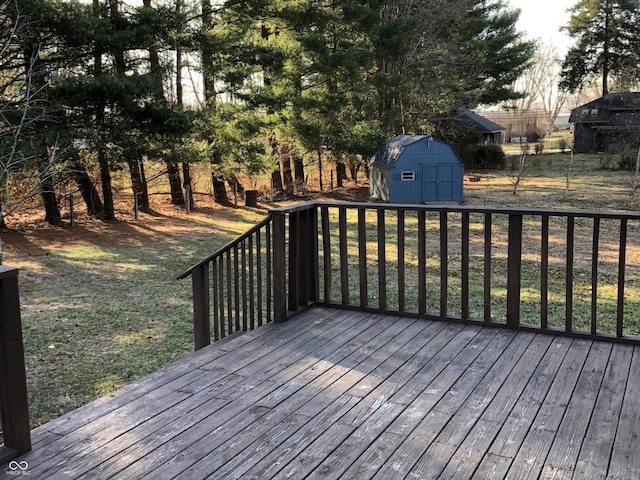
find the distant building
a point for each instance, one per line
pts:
(523, 126)
(416, 169)
(490, 132)
(608, 124)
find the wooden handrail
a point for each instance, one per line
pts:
(14, 407)
(224, 249)
(458, 262)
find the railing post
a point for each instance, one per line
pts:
(279, 268)
(514, 269)
(201, 314)
(308, 256)
(14, 407)
(295, 270)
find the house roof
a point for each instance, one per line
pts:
(477, 122)
(614, 109)
(391, 149)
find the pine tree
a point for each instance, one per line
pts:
(501, 54)
(607, 44)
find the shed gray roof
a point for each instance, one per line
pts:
(477, 122)
(391, 149)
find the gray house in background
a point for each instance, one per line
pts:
(609, 124)
(490, 132)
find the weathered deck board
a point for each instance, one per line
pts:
(337, 394)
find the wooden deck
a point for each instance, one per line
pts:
(343, 394)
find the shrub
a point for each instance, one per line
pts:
(606, 162)
(627, 161)
(563, 145)
(484, 157)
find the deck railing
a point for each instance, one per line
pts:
(14, 408)
(557, 271)
(233, 287)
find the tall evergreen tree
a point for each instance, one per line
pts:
(607, 44)
(432, 58)
(328, 81)
(489, 36)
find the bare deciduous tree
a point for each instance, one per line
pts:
(21, 171)
(540, 83)
(551, 97)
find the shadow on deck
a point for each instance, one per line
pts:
(344, 394)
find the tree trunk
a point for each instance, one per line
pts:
(105, 181)
(139, 184)
(37, 80)
(87, 189)
(208, 73)
(188, 187)
(298, 166)
(287, 177)
(219, 190)
(341, 173)
(276, 181)
(320, 169)
(51, 208)
(605, 53)
(234, 184)
(105, 170)
(177, 198)
(353, 170)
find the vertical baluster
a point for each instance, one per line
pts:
(487, 267)
(362, 257)
(401, 266)
(422, 262)
(344, 266)
(215, 288)
(595, 247)
(252, 306)
(444, 263)
(294, 260)
(382, 261)
(223, 330)
(229, 291)
(465, 266)
(259, 275)
(236, 287)
(514, 269)
(326, 253)
(243, 292)
(569, 275)
(314, 268)
(622, 259)
(544, 273)
(269, 261)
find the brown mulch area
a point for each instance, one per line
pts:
(27, 234)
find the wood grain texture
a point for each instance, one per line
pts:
(336, 394)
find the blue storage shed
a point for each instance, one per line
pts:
(416, 169)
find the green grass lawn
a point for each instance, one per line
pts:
(101, 311)
(593, 184)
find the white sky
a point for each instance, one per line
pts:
(541, 19)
